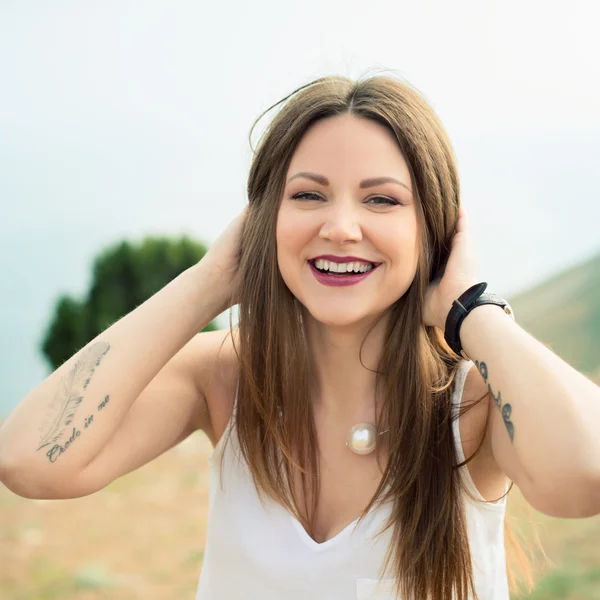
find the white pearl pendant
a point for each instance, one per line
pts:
(361, 438)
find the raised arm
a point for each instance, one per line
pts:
(59, 428)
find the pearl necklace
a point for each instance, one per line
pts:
(362, 438)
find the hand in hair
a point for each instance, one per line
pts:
(459, 275)
(222, 259)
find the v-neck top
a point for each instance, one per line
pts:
(262, 551)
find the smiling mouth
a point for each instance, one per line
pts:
(345, 273)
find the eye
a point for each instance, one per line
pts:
(302, 195)
(385, 200)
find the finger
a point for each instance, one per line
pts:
(462, 223)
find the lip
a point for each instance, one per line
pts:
(336, 280)
(342, 259)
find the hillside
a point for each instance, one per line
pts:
(564, 313)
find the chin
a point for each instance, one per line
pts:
(338, 317)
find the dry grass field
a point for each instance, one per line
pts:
(143, 537)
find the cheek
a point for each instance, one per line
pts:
(399, 243)
(284, 225)
(292, 233)
(289, 242)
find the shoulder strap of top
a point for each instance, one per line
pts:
(459, 386)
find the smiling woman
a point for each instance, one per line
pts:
(341, 456)
(342, 417)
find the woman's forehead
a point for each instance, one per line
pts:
(347, 147)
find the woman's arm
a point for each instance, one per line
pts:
(67, 421)
(63, 424)
(545, 426)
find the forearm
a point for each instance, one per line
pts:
(550, 410)
(62, 424)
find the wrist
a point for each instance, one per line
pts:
(478, 318)
(472, 298)
(211, 290)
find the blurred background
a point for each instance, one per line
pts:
(124, 153)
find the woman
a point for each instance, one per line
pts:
(340, 408)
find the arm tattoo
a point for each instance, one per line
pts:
(505, 409)
(70, 395)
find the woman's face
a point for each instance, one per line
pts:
(337, 211)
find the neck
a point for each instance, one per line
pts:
(343, 386)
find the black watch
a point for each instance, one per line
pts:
(466, 302)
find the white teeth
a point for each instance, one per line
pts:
(354, 267)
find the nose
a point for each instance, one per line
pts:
(341, 225)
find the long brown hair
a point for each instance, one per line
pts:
(429, 547)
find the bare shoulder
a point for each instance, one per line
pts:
(489, 479)
(214, 367)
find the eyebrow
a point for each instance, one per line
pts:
(365, 183)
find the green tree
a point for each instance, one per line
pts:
(123, 277)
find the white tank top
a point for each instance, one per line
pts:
(264, 552)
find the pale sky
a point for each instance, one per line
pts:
(124, 119)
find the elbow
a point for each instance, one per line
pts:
(589, 500)
(595, 495)
(585, 493)
(25, 481)
(570, 497)
(21, 482)
(16, 476)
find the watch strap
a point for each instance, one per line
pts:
(466, 302)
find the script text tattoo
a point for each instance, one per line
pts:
(66, 401)
(59, 449)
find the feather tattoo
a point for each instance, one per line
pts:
(70, 394)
